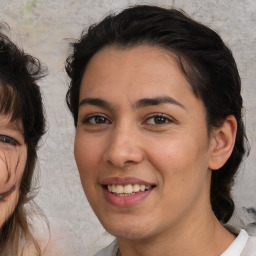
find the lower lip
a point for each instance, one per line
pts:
(126, 201)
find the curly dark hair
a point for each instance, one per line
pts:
(20, 98)
(207, 64)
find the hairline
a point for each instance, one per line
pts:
(184, 63)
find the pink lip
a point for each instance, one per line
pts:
(125, 201)
(124, 181)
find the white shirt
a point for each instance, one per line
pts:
(243, 245)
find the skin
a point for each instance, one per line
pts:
(13, 156)
(174, 152)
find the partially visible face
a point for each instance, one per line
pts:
(141, 146)
(13, 156)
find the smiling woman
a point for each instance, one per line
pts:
(22, 124)
(156, 100)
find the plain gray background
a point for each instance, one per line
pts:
(44, 29)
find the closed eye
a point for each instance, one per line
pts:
(158, 119)
(8, 140)
(3, 195)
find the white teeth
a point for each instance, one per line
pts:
(119, 189)
(127, 189)
(113, 188)
(136, 188)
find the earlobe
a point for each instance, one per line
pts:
(222, 143)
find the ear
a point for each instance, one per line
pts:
(222, 143)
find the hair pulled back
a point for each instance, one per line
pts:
(207, 64)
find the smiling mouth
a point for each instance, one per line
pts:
(127, 190)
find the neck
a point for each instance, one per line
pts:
(206, 237)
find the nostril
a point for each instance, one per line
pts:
(129, 162)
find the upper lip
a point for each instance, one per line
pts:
(125, 181)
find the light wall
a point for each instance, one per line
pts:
(44, 29)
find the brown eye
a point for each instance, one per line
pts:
(100, 120)
(96, 120)
(8, 140)
(158, 120)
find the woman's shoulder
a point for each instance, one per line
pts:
(250, 247)
(110, 250)
(243, 245)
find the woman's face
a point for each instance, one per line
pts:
(13, 156)
(142, 146)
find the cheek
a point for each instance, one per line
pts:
(87, 156)
(7, 206)
(12, 165)
(181, 160)
(182, 172)
(4, 174)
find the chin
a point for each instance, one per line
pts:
(129, 234)
(135, 230)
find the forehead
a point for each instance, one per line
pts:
(6, 122)
(142, 69)
(10, 108)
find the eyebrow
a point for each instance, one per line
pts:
(95, 101)
(10, 125)
(145, 102)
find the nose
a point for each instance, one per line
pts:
(123, 148)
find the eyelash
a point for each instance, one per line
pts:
(8, 140)
(3, 195)
(99, 119)
(96, 117)
(160, 116)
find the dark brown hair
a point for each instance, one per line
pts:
(21, 98)
(207, 63)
